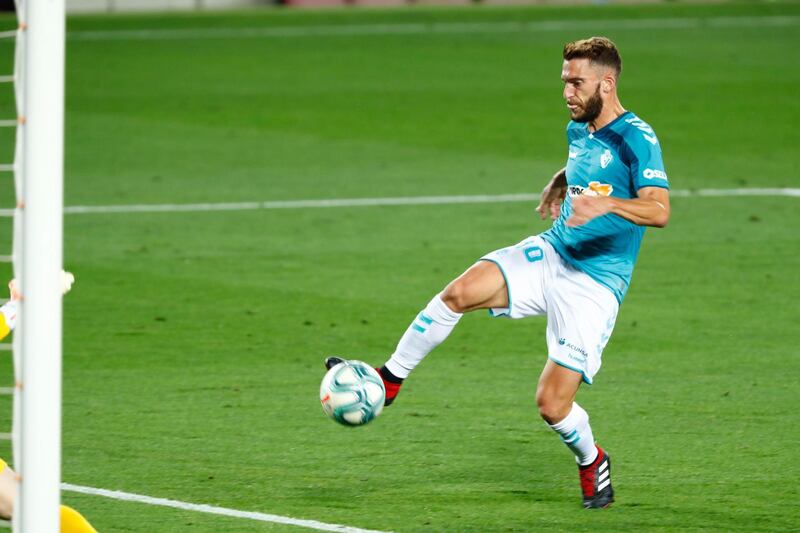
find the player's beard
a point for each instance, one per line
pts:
(592, 108)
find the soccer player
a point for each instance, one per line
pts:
(71, 520)
(576, 272)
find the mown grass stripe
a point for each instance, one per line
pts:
(414, 28)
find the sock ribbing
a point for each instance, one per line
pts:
(576, 433)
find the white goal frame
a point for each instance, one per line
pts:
(37, 257)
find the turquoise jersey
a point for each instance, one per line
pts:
(616, 160)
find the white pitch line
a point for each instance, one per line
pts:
(211, 509)
(296, 204)
(738, 192)
(414, 28)
(371, 202)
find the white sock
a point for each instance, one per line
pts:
(576, 433)
(426, 332)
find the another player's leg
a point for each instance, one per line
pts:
(71, 520)
(555, 397)
(8, 490)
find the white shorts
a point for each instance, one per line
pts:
(580, 311)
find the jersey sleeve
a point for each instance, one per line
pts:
(646, 161)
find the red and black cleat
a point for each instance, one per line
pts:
(596, 482)
(332, 361)
(390, 382)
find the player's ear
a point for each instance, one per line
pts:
(608, 83)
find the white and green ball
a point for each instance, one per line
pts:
(352, 393)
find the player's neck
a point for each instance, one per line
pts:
(610, 112)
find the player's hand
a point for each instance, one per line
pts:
(552, 196)
(67, 279)
(13, 289)
(586, 208)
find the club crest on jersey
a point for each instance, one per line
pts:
(595, 188)
(606, 158)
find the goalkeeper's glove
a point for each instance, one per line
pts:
(67, 279)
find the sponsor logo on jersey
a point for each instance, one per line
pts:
(650, 174)
(574, 190)
(606, 158)
(581, 354)
(576, 357)
(599, 189)
(595, 188)
(573, 155)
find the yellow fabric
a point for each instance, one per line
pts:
(73, 522)
(4, 329)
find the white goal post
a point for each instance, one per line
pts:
(38, 254)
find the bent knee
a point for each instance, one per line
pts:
(551, 408)
(482, 286)
(457, 296)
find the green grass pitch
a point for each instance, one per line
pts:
(193, 341)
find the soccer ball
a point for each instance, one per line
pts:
(352, 393)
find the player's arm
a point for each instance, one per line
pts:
(552, 195)
(8, 311)
(651, 208)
